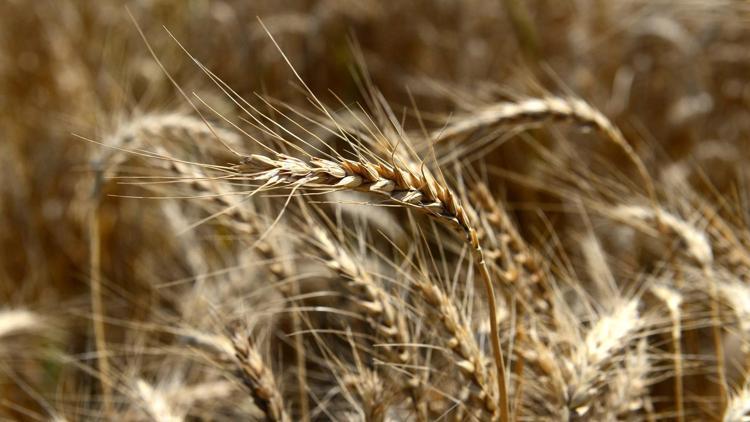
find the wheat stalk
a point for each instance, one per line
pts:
(673, 300)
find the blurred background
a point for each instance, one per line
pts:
(672, 75)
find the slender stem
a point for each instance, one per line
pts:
(677, 350)
(97, 306)
(497, 350)
(716, 331)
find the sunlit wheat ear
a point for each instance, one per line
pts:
(602, 349)
(738, 407)
(527, 111)
(695, 240)
(629, 385)
(402, 187)
(156, 403)
(15, 321)
(156, 129)
(259, 379)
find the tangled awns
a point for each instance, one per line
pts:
(341, 210)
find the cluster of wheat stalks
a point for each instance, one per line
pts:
(320, 252)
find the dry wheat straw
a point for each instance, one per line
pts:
(406, 188)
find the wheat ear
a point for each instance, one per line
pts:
(237, 215)
(383, 317)
(405, 188)
(459, 340)
(538, 110)
(699, 249)
(18, 320)
(258, 378)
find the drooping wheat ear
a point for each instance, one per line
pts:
(259, 379)
(156, 403)
(460, 340)
(131, 136)
(538, 110)
(178, 128)
(232, 209)
(601, 349)
(386, 321)
(673, 300)
(699, 249)
(723, 236)
(403, 187)
(695, 240)
(13, 321)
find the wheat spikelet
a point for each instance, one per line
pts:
(606, 339)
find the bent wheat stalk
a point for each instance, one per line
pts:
(401, 186)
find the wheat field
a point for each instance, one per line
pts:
(341, 210)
